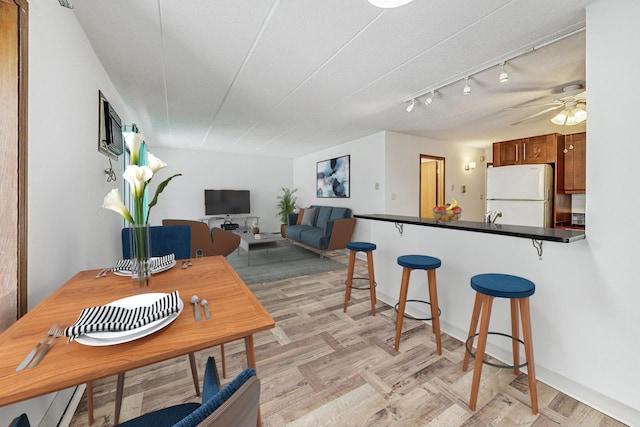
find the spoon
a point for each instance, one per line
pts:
(196, 312)
(205, 304)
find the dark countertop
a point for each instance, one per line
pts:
(537, 233)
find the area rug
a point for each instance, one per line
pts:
(278, 261)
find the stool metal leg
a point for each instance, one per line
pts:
(372, 282)
(433, 298)
(347, 293)
(404, 288)
(515, 333)
(528, 349)
(487, 301)
(472, 328)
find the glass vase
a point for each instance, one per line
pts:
(140, 256)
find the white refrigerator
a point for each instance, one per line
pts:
(522, 193)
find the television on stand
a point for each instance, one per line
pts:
(227, 202)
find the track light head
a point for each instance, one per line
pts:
(504, 77)
(65, 3)
(430, 98)
(410, 106)
(467, 88)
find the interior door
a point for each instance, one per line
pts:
(431, 184)
(13, 163)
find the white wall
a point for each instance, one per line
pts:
(367, 169)
(183, 198)
(402, 160)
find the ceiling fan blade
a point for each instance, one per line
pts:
(515, 107)
(539, 113)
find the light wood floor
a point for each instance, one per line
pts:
(320, 366)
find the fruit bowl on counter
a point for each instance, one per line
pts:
(448, 212)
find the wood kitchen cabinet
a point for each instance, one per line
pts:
(575, 163)
(535, 150)
(532, 150)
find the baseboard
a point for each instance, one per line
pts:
(57, 409)
(72, 405)
(613, 408)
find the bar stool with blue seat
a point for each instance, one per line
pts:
(419, 262)
(354, 248)
(517, 290)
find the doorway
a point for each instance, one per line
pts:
(431, 184)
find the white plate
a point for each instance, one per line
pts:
(119, 337)
(160, 270)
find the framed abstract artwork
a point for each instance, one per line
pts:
(332, 177)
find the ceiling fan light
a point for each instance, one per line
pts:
(467, 89)
(504, 77)
(389, 4)
(576, 116)
(561, 118)
(580, 115)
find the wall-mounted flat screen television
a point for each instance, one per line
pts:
(113, 130)
(227, 202)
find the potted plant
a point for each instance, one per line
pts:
(286, 205)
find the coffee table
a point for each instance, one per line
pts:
(249, 242)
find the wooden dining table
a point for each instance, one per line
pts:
(235, 314)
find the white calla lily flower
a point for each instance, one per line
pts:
(137, 177)
(134, 142)
(113, 201)
(155, 163)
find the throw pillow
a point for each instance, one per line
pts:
(309, 216)
(300, 216)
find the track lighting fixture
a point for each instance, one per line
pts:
(428, 93)
(504, 77)
(410, 106)
(430, 98)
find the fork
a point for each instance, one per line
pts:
(57, 331)
(50, 333)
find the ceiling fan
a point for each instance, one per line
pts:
(572, 100)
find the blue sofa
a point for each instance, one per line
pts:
(330, 229)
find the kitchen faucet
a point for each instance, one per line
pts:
(491, 216)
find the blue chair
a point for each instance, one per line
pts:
(165, 240)
(21, 421)
(236, 405)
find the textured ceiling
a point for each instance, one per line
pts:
(290, 77)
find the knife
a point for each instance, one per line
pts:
(42, 352)
(102, 272)
(32, 353)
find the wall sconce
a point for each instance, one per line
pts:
(470, 166)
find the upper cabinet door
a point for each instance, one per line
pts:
(506, 153)
(575, 163)
(538, 149)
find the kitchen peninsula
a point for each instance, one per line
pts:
(537, 233)
(554, 259)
